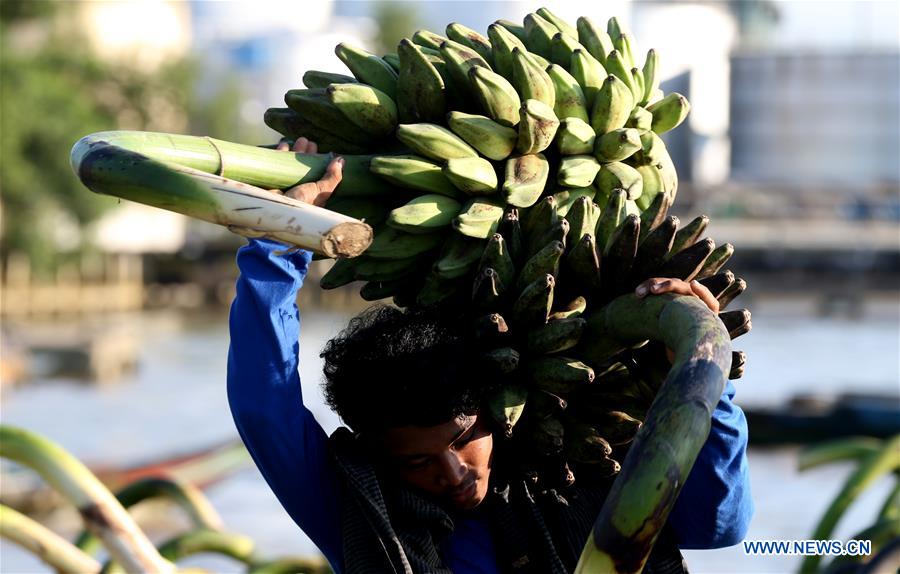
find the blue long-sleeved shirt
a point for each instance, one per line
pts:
(290, 447)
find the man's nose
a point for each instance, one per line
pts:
(453, 470)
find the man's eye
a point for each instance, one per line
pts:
(417, 463)
(468, 438)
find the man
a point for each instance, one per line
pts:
(416, 487)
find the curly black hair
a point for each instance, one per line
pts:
(393, 367)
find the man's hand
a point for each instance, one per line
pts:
(660, 285)
(314, 192)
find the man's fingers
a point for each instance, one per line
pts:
(300, 145)
(283, 145)
(312, 147)
(705, 295)
(333, 175)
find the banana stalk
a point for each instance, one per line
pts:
(676, 426)
(51, 548)
(176, 173)
(101, 512)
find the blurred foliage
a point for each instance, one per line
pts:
(395, 21)
(53, 91)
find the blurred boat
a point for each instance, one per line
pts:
(807, 419)
(23, 489)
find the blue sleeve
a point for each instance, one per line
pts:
(714, 508)
(283, 437)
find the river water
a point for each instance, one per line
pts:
(175, 402)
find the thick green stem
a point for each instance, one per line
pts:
(50, 547)
(852, 448)
(676, 426)
(201, 541)
(102, 513)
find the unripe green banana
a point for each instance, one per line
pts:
(460, 59)
(558, 375)
(561, 49)
(586, 446)
(737, 322)
(487, 290)
(534, 302)
(577, 171)
(292, 125)
(491, 330)
(434, 141)
(537, 127)
(575, 137)
(624, 43)
(413, 172)
(498, 98)
(316, 79)
(342, 272)
(502, 44)
(424, 214)
(479, 218)
(575, 308)
(738, 361)
(650, 72)
(569, 100)
(493, 140)
(566, 198)
(541, 216)
(539, 35)
(372, 212)
(652, 186)
(716, 260)
(377, 290)
(506, 405)
(640, 119)
(421, 92)
(614, 28)
(547, 437)
(731, 292)
(437, 290)
(525, 179)
(619, 175)
(428, 39)
(517, 30)
(686, 263)
(496, 256)
(556, 232)
(617, 427)
(544, 262)
(583, 261)
(597, 41)
(555, 336)
(582, 218)
(542, 405)
(610, 218)
(617, 145)
(612, 105)
(459, 256)
(616, 65)
(637, 82)
(393, 61)
(370, 269)
(472, 175)
(718, 283)
(471, 39)
(315, 107)
(391, 243)
(530, 79)
(503, 361)
(511, 230)
(690, 233)
(561, 24)
(619, 256)
(370, 109)
(589, 73)
(655, 247)
(368, 68)
(669, 112)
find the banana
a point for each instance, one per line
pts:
(368, 68)
(687, 263)
(547, 437)
(737, 322)
(653, 184)
(391, 243)
(624, 43)
(370, 109)
(472, 175)
(640, 119)
(555, 20)
(558, 375)
(421, 92)
(566, 198)
(653, 250)
(589, 73)
(577, 171)
(292, 125)
(498, 98)
(610, 218)
(541, 216)
(669, 112)
(586, 446)
(370, 269)
(619, 256)
(537, 127)
(428, 39)
(314, 79)
(654, 214)
(616, 65)
(496, 256)
(531, 80)
(637, 81)
(716, 260)
(502, 44)
(596, 41)
(612, 105)
(556, 232)
(478, 219)
(315, 107)
(690, 233)
(569, 97)
(555, 336)
(617, 427)
(718, 283)
(424, 214)
(511, 230)
(653, 150)
(437, 290)
(533, 305)
(584, 263)
(539, 35)
(459, 256)
(619, 175)
(372, 212)
(650, 72)
(544, 262)
(413, 172)
(342, 272)
(574, 137)
(516, 30)
(393, 61)
(542, 405)
(582, 217)
(471, 39)
(506, 405)
(487, 290)
(738, 361)
(525, 179)
(460, 59)
(574, 308)
(491, 329)
(492, 139)
(377, 290)
(731, 292)
(561, 48)
(503, 361)
(617, 145)
(434, 142)
(613, 28)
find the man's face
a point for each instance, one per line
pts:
(450, 462)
